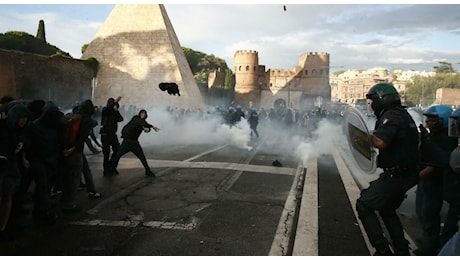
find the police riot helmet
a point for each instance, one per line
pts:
(441, 112)
(238, 107)
(382, 95)
(253, 110)
(454, 124)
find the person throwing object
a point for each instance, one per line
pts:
(130, 134)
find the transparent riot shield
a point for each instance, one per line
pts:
(359, 141)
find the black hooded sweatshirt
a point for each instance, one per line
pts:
(133, 129)
(43, 135)
(110, 118)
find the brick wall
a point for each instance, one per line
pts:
(57, 78)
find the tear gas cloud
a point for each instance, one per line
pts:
(177, 128)
(209, 128)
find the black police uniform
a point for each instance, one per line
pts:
(429, 200)
(399, 162)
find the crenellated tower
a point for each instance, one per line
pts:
(315, 75)
(247, 78)
(304, 87)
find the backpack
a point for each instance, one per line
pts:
(70, 123)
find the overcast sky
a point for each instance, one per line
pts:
(356, 36)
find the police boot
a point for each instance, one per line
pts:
(382, 249)
(401, 247)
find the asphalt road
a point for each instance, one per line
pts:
(209, 200)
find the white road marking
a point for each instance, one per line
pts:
(131, 224)
(306, 238)
(280, 244)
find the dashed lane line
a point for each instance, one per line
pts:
(135, 223)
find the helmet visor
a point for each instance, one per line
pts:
(370, 110)
(454, 127)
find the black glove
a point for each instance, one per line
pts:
(424, 137)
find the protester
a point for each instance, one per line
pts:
(11, 144)
(130, 134)
(43, 155)
(110, 117)
(253, 121)
(72, 157)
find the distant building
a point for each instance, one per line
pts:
(354, 84)
(351, 86)
(448, 96)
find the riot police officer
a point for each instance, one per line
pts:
(450, 235)
(396, 137)
(429, 196)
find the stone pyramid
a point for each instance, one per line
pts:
(137, 49)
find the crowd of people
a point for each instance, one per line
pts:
(42, 149)
(34, 148)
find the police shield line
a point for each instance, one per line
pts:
(411, 155)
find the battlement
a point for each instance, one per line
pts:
(281, 72)
(246, 52)
(316, 53)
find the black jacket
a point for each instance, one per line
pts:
(133, 129)
(110, 118)
(11, 135)
(43, 136)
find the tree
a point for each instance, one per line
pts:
(444, 67)
(201, 65)
(41, 31)
(83, 48)
(229, 80)
(337, 73)
(422, 90)
(22, 41)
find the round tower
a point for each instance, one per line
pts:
(247, 90)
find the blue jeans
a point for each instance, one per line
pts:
(452, 247)
(88, 176)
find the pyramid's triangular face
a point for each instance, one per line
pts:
(137, 49)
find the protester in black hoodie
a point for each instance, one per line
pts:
(130, 134)
(43, 153)
(110, 117)
(73, 160)
(11, 144)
